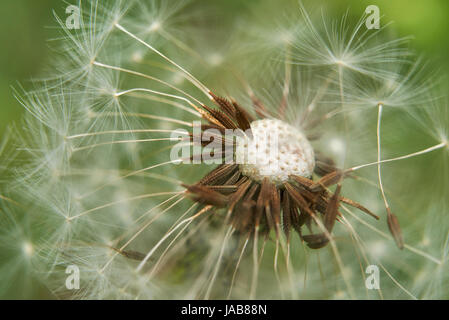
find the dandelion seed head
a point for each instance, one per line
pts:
(340, 294)
(286, 36)
(155, 26)
(215, 59)
(425, 241)
(337, 146)
(28, 249)
(341, 62)
(276, 150)
(178, 78)
(378, 249)
(99, 190)
(137, 56)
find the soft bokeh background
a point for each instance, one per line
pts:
(27, 25)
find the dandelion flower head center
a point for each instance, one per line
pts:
(276, 150)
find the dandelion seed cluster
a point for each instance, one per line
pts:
(289, 154)
(92, 184)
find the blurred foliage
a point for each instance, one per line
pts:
(23, 34)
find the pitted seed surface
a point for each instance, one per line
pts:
(276, 151)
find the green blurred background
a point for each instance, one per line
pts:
(26, 26)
